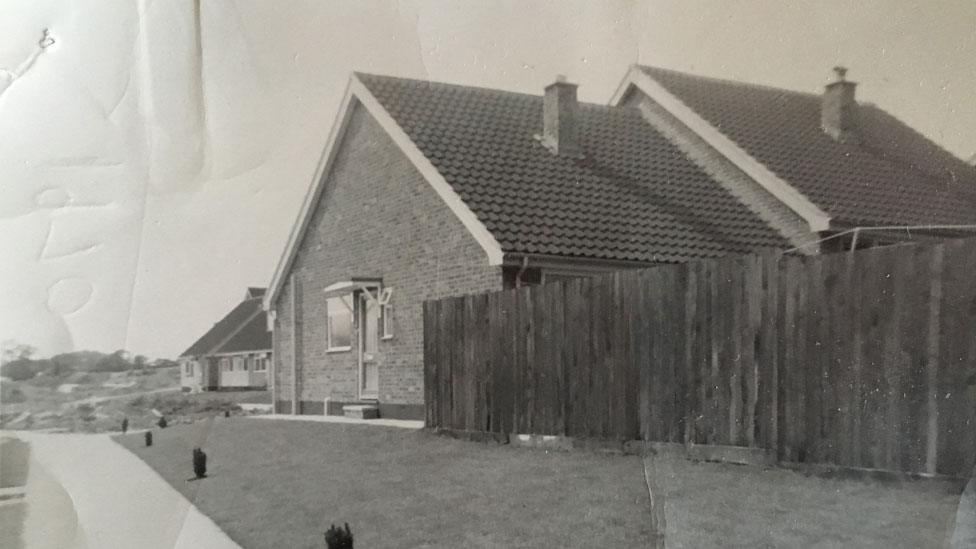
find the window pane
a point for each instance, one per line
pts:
(388, 321)
(342, 330)
(339, 323)
(372, 325)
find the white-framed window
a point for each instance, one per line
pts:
(224, 364)
(260, 363)
(386, 321)
(338, 325)
(188, 368)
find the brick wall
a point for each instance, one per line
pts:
(377, 217)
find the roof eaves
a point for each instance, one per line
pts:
(817, 219)
(356, 90)
(234, 332)
(311, 197)
(478, 230)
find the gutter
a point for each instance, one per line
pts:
(513, 259)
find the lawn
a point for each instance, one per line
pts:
(13, 474)
(724, 505)
(281, 484)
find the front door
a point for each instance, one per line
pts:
(369, 316)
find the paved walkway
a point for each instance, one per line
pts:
(402, 423)
(964, 531)
(117, 499)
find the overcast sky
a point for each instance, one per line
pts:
(150, 172)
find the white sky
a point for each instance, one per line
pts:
(144, 185)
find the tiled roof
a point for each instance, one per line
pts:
(634, 196)
(254, 336)
(226, 326)
(891, 175)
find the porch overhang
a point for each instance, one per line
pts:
(370, 286)
(349, 286)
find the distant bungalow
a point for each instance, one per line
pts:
(234, 353)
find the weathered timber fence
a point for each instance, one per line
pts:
(864, 359)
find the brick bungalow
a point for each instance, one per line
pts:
(427, 190)
(234, 353)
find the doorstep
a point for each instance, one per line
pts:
(361, 411)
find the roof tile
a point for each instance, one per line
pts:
(611, 204)
(892, 175)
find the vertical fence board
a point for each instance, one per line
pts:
(864, 359)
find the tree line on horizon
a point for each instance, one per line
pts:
(19, 362)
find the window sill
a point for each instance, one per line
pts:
(339, 350)
(386, 338)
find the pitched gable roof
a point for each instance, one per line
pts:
(634, 196)
(228, 328)
(253, 336)
(891, 175)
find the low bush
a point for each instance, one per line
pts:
(199, 463)
(86, 412)
(13, 395)
(45, 381)
(338, 538)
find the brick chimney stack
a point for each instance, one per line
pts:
(560, 119)
(839, 108)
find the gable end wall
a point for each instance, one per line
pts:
(377, 217)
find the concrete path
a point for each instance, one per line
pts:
(964, 531)
(401, 423)
(51, 521)
(117, 499)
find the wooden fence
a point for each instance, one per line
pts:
(863, 359)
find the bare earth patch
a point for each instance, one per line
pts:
(723, 505)
(281, 484)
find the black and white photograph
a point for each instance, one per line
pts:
(519, 273)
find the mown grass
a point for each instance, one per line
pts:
(281, 484)
(724, 505)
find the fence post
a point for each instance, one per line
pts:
(932, 360)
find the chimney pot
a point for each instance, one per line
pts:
(560, 118)
(838, 109)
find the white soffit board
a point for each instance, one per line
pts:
(477, 229)
(786, 193)
(311, 199)
(355, 90)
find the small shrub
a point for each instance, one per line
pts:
(148, 438)
(138, 402)
(125, 425)
(15, 396)
(199, 463)
(45, 381)
(86, 412)
(162, 422)
(337, 538)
